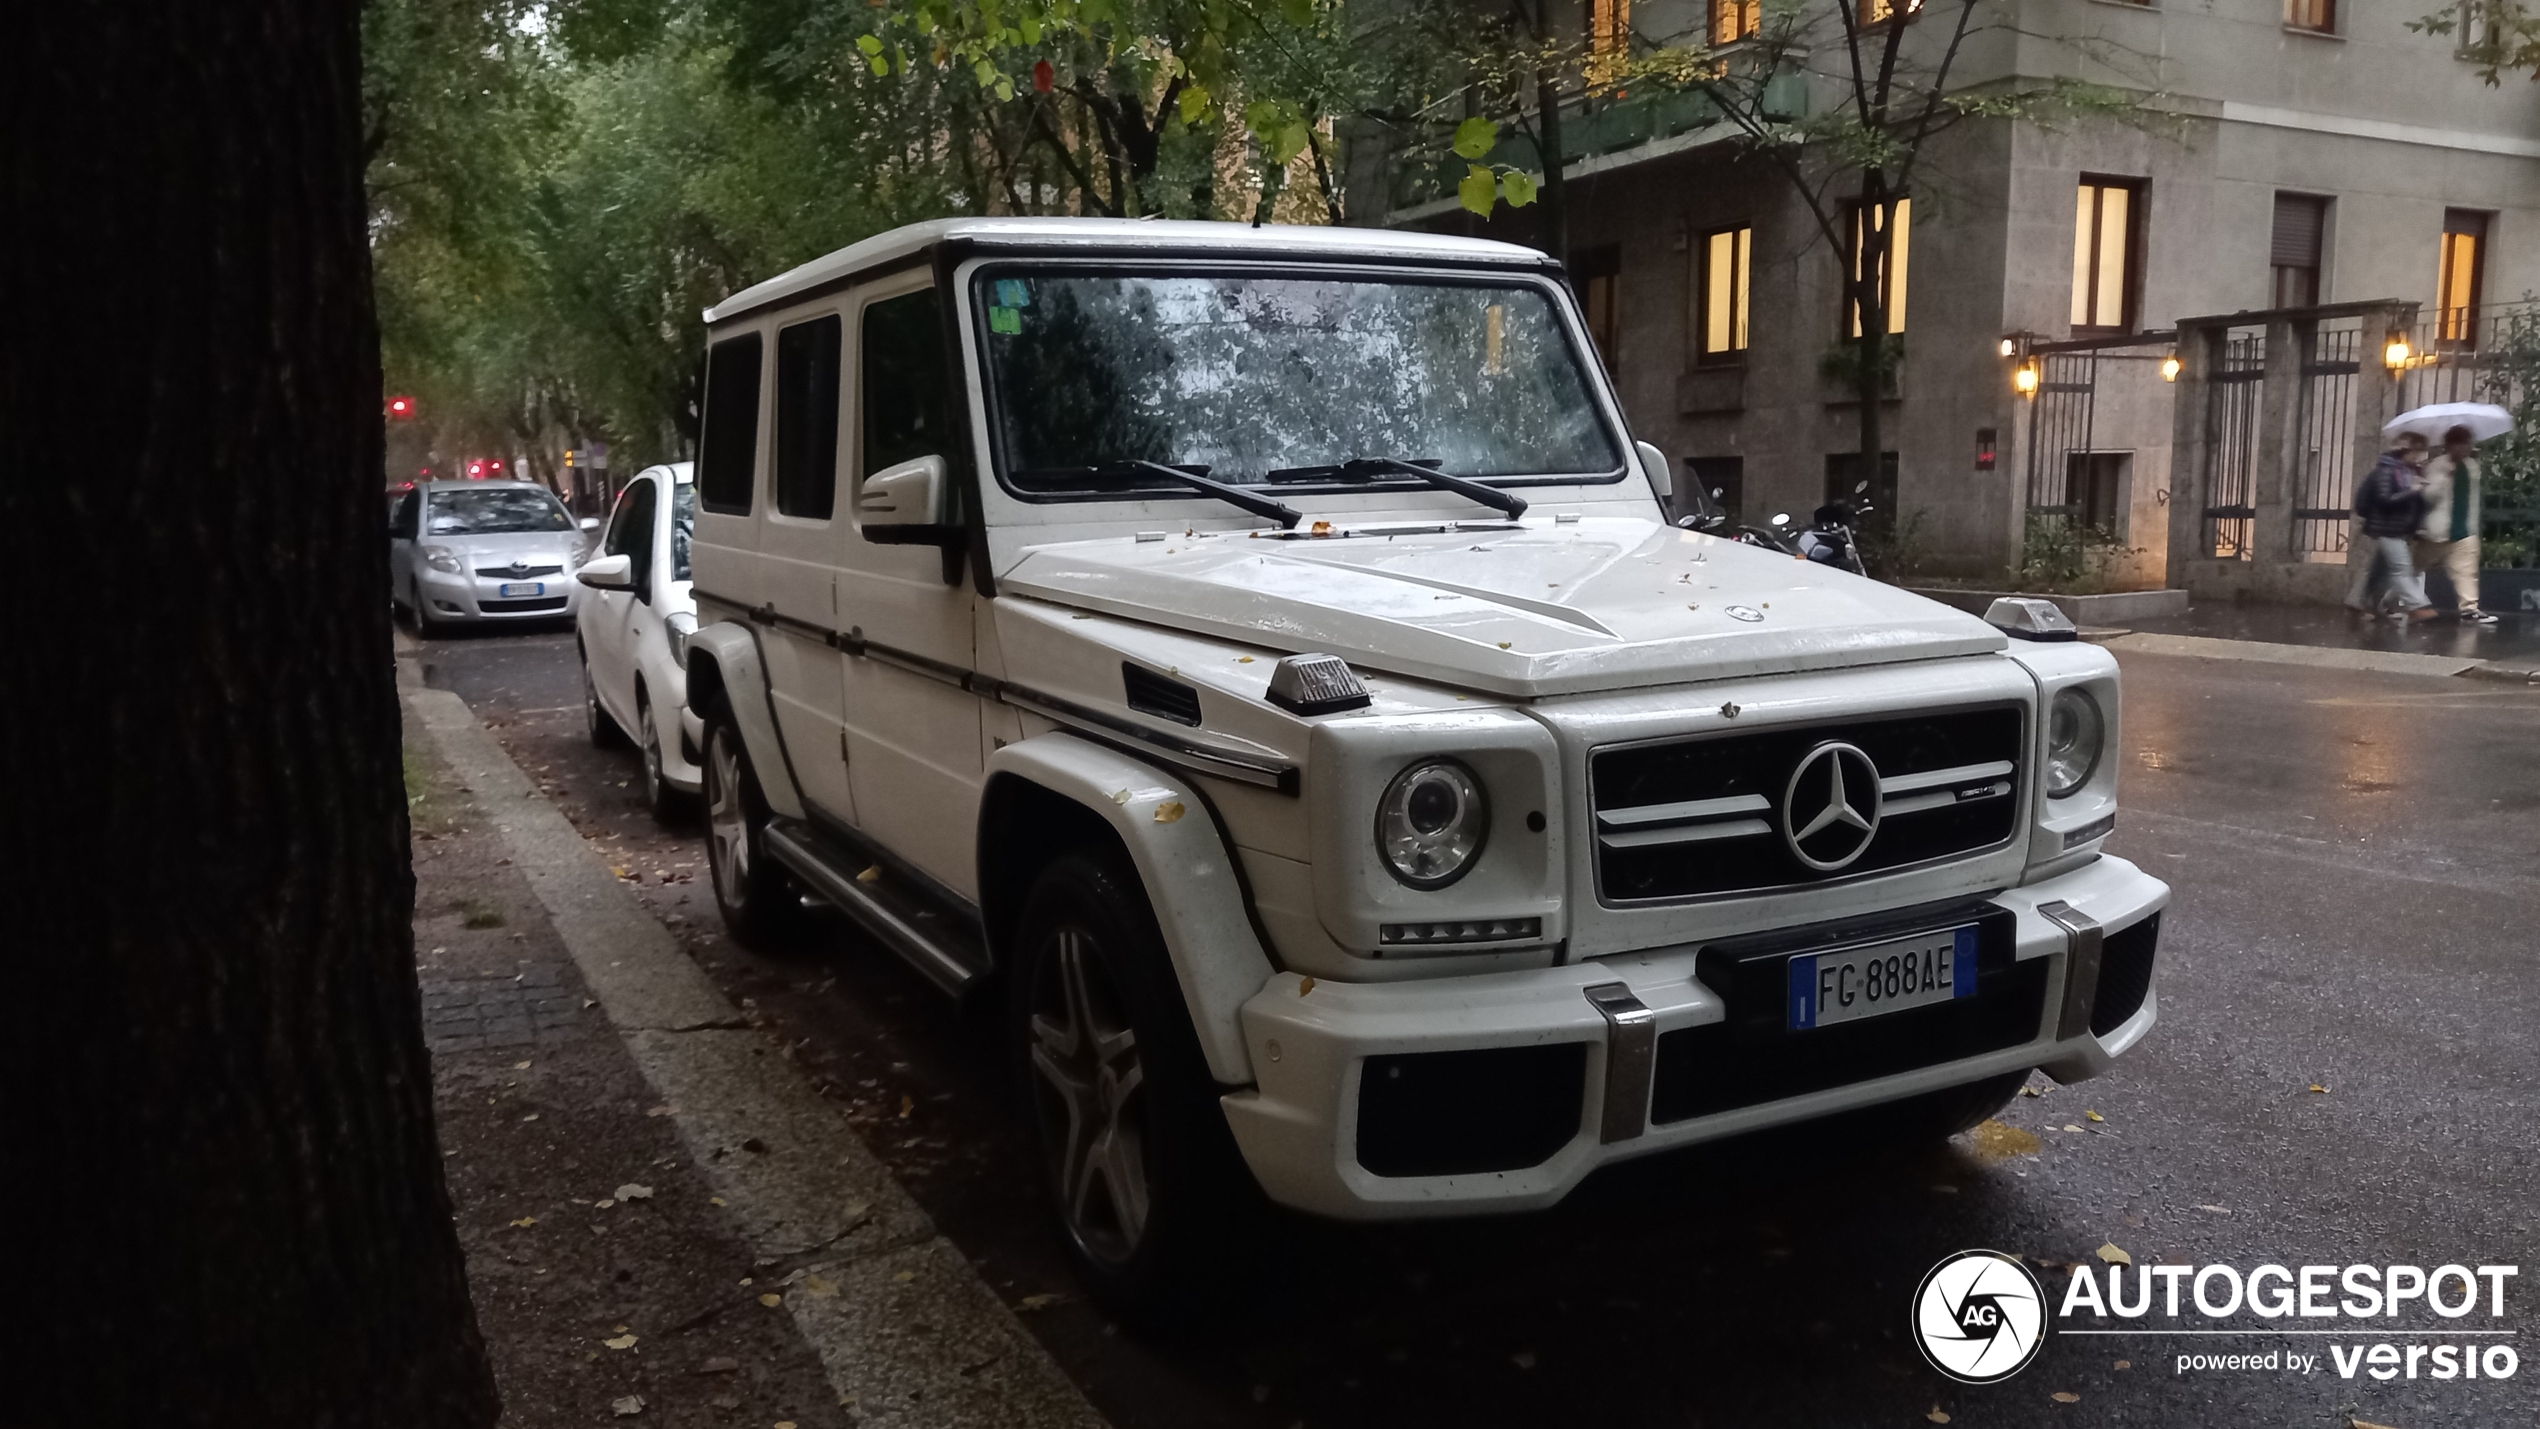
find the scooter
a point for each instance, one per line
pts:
(1828, 540)
(1716, 522)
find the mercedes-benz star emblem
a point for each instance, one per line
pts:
(1830, 812)
(1747, 613)
(1980, 1316)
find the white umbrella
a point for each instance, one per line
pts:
(2484, 420)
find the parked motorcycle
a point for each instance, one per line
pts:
(1827, 539)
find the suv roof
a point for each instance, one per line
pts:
(903, 247)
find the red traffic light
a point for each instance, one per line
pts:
(401, 408)
(498, 464)
(476, 468)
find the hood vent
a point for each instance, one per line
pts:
(1316, 684)
(1154, 694)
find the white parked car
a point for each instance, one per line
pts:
(633, 631)
(1261, 657)
(464, 552)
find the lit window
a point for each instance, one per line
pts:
(1609, 40)
(2458, 278)
(1874, 12)
(2104, 225)
(1735, 20)
(1892, 284)
(2319, 15)
(1724, 284)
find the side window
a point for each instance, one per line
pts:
(631, 535)
(729, 447)
(807, 417)
(409, 516)
(905, 408)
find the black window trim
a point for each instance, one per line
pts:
(772, 415)
(1549, 283)
(756, 333)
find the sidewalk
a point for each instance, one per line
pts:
(2317, 635)
(664, 1222)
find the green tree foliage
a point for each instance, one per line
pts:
(2496, 35)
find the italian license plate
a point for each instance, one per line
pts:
(511, 590)
(1853, 983)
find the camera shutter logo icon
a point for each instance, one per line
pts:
(1980, 1316)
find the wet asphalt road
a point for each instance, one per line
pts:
(2357, 866)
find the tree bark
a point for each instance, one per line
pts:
(225, 1202)
(1869, 283)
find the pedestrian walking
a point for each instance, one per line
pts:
(2391, 504)
(2447, 536)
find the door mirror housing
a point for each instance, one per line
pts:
(903, 505)
(589, 523)
(1654, 462)
(609, 573)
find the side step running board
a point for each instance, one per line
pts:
(944, 949)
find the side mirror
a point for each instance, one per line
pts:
(1654, 462)
(609, 573)
(903, 504)
(589, 523)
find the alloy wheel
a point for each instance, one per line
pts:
(1088, 1084)
(727, 822)
(652, 762)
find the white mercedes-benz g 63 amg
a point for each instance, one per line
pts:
(1262, 656)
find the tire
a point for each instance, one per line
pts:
(756, 897)
(602, 726)
(1150, 1197)
(426, 628)
(667, 804)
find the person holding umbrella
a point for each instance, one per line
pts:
(2448, 534)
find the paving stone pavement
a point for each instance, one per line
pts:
(529, 1008)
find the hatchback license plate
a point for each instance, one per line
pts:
(1854, 983)
(512, 590)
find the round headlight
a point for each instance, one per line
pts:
(1431, 822)
(2074, 732)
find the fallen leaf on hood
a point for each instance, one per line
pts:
(634, 1192)
(628, 1407)
(622, 1342)
(2112, 1255)
(1304, 986)
(2065, 1396)
(1120, 796)
(1243, 659)
(1170, 811)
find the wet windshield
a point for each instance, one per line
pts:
(491, 510)
(683, 526)
(1251, 378)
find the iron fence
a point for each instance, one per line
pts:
(2235, 393)
(2324, 430)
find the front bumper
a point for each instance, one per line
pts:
(471, 597)
(1300, 1126)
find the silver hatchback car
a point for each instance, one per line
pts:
(470, 551)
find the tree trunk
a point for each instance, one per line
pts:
(1870, 349)
(225, 1197)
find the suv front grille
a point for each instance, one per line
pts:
(1707, 816)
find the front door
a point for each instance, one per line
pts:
(913, 738)
(630, 534)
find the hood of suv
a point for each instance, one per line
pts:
(1541, 608)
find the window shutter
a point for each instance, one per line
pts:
(2298, 221)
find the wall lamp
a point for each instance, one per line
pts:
(2396, 353)
(2169, 368)
(2024, 379)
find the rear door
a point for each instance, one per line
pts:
(800, 541)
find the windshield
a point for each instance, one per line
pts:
(1252, 378)
(492, 510)
(683, 526)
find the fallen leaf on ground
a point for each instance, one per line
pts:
(628, 1407)
(2364, 1424)
(2031, 1092)
(632, 1191)
(771, 1301)
(525, 1221)
(1523, 1359)
(2094, 1116)
(905, 1276)
(2065, 1396)
(2000, 1141)
(520, 1066)
(2217, 1210)
(818, 1288)
(1938, 1415)
(533, 1116)
(2317, 1087)
(872, 874)
(907, 1104)
(2068, 1126)
(656, 1111)
(718, 1200)
(2114, 1256)
(2125, 1364)
(1170, 811)
(784, 1424)
(1036, 1302)
(622, 1342)
(604, 1203)
(719, 1364)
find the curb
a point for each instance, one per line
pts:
(910, 1335)
(2388, 662)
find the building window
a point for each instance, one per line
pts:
(1735, 20)
(2459, 277)
(1877, 12)
(1599, 274)
(2301, 225)
(2315, 15)
(1609, 40)
(2105, 221)
(1892, 281)
(1723, 284)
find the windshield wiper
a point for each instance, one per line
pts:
(1287, 516)
(1371, 467)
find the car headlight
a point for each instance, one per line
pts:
(2075, 730)
(442, 558)
(681, 625)
(1431, 823)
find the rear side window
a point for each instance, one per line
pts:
(807, 417)
(729, 446)
(906, 411)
